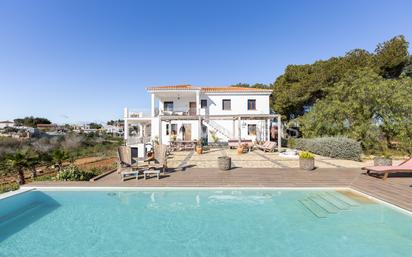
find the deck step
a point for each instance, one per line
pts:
(335, 201)
(344, 199)
(324, 204)
(314, 208)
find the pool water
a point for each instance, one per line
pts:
(201, 223)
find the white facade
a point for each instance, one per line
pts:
(193, 113)
(5, 124)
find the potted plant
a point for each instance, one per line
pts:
(241, 149)
(224, 162)
(383, 160)
(306, 160)
(199, 147)
(215, 138)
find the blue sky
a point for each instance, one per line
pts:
(84, 60)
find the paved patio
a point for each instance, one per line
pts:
(253, 159)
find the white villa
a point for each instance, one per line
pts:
(187, 113)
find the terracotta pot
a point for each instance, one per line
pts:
(307, 163)
(199, 149)
(382, 161)
(240, 150)
(224, 162)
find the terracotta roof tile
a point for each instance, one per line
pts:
(172, 87)
(234, 89)
(210, 89)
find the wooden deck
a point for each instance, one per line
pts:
(395, 190)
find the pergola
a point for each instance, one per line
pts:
(236, 118)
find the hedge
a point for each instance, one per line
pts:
(335, 147)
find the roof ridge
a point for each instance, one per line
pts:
(209, 88)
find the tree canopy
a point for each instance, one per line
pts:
(362, 95)
(301, 86)
(31, 121)
(256, 85)
(94, 125)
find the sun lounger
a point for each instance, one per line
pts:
(126, 167)
(159, 162)
(233, 143)
(269, 147)
(263, 146)
(405, 166)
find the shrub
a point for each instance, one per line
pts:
(74, 173)
(8, 187)
(335, 147)
(291, 143)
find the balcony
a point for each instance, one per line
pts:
(131, 113)
(137, 140)
(189, 112)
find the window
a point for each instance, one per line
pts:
(251, 129)
(251, 104)
(226, 104)
(174, 129)
(203, 103)
(168, 106)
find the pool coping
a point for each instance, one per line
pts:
(21, 190)
(79, 188)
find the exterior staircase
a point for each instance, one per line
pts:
(217, 128)
(326, 203)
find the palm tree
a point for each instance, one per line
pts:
(58, 157)
(33, 160)
(17, 162)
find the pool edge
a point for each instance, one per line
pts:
(25, 189)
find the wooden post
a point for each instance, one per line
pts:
(279, 133)
(239, 129)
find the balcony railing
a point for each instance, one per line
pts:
(190, 112)
(137, 140)
(138, 114)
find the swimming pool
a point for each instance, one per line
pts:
(204, 223)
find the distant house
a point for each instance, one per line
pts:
(6, 123)
(114, 130)
(46, 127)
(84, 128)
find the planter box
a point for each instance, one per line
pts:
(382, 161)
(224, 163)
(307, 164)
